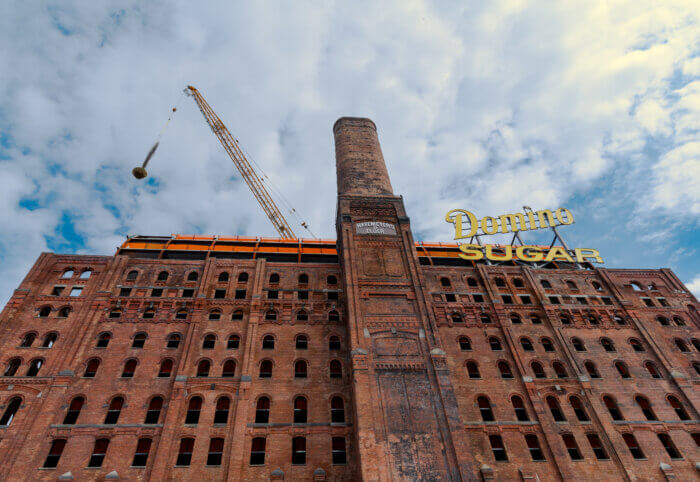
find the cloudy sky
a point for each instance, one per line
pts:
(486, 106)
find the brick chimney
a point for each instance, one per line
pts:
(358, 158)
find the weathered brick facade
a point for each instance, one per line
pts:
(417, 365)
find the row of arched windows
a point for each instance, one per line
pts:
(223, 276)
(683, 346)
(465, 344)
(215, 314)
(70, 272)
(14, 364)
(45, 311)
(663, 321)
(48, 341)
(607, 344)
(302, 279)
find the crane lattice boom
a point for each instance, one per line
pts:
(236, 154)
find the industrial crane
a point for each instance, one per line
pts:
(251, 177)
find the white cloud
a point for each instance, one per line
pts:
(694, 286)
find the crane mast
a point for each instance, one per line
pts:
(251, 177)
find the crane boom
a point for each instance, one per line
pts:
(251, 177)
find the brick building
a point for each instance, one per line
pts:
(367, 357)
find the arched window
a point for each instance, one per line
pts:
(203, 368)
(645, 406)
(696, 343)
(274, 278)
(166, 368)
(143, 447)
(696, 365)
(54, 455)
(612, 407)
(153, 411)
(262, 410)
(44, 311)
(303, 279)
(234, 342)
(49, 340)
(485, 318)
(333, 316)
(268, 342)
(243, 277)
(28, 340)
(301, 342)
(485, 409)
(636, 345)
(215, 315)
(500, 282)
(636, 286)
(445, 282)
(545, 284)
(678, 321)
(10, 411)
(334, 343)
(336, 369)
(270, 315)
(194, 408)
(34, 367)
(465, 344)
(547, 344)
(519, 408)
(103, 340)
(64, 312)
(129, 368)
(579, 410)
(86, 274)
(682, 346)
(302, 315)
(591, 369)
(596, 286)
(504, 368)
(99, 451)
(223, 405)
(535, 319)
(495, 344)
(571, 285)
(337, 410)
(607, 344)
(555, 409)
(473, 369)
(559, 370)
(663, 321)
(192, 276)
(565, 319)
(91, 368)
(526, 344)
(622, 369)
(538, 370)
(457, 318)
(139, 340)
(132, 275)
(209, 342)
(578, 344)
(223, 276)
(266, 369)
(331, 280)
(515, 319)
(115, 313)
(114, 410)
(173, 341)
(67, 274)
(229, 369)
(472, 282)
(300, 412)
(619, 320)
(184, 453)
(73, 411)
(237, 315)
(518, 283)
(162, 276)
(653, 371)
(678, 408)
(149, 313)
(181, 314)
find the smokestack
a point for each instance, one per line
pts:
(359, 162)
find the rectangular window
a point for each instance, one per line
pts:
(157, 292)
(338, 451)
(507, 299)
(478, 298)
(499, 450)
(554, 300)
(450, 297)
(143, 447)
(188, 293)
(647, 301)
(633, 446)
(219, 294)
(581, 300)
(98, 452)
(216, 452)
(124, 292)
(571, 446)
(54, 455)
(332, 295)
(303, 295)
(607, 301)
(57, 290)
(533, 445)
(597, 446)
(298, 451)
(272, 294)
(662, 301)
(257, 451)
(240, 294)
(184, 455)
(670, 447)
(525, 299)
(75, 291)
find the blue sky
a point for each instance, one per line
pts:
(486, 106)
